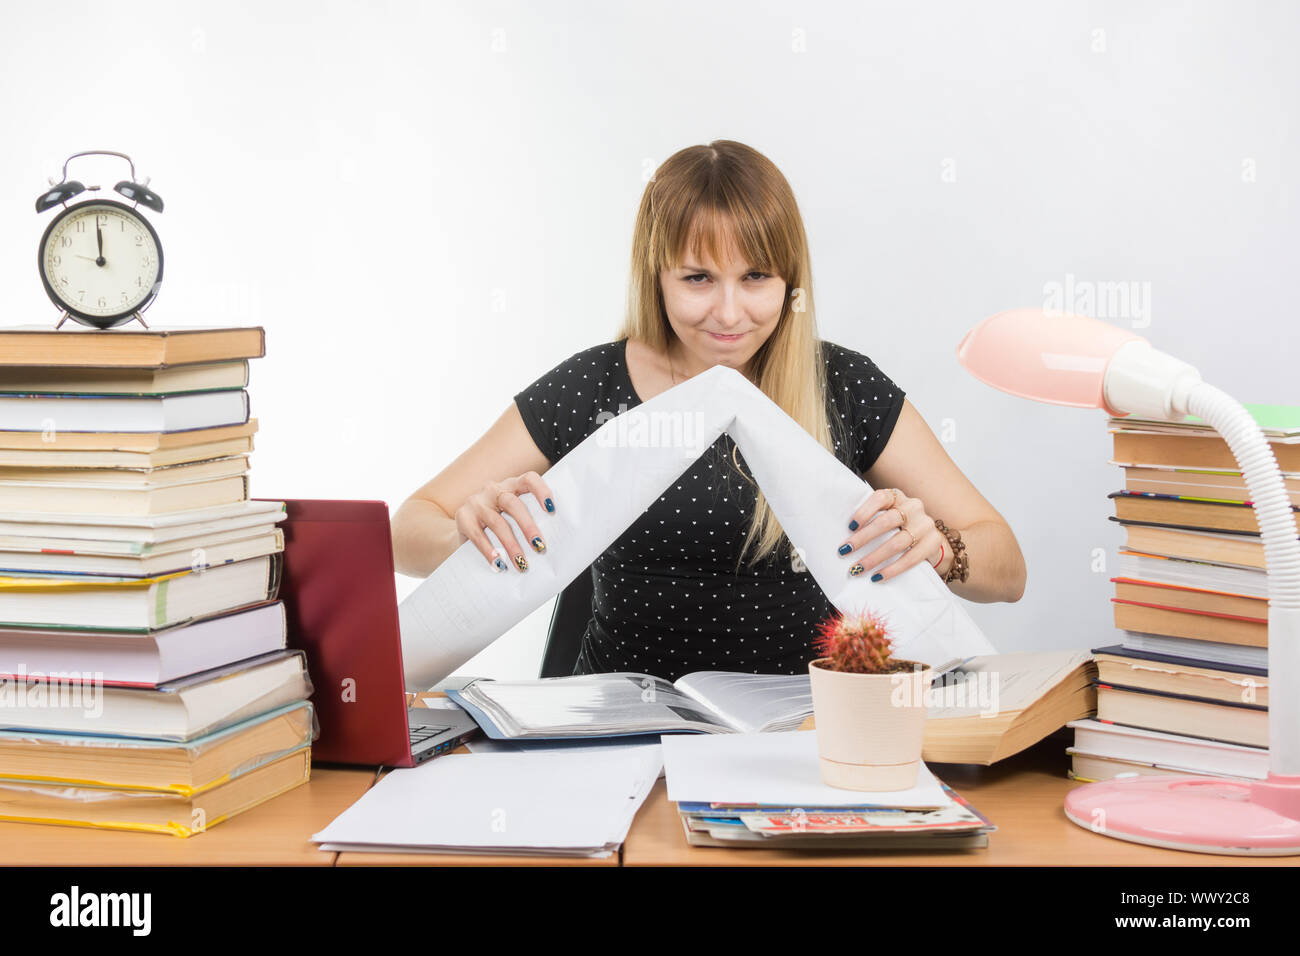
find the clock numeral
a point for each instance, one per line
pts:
(102, 219)
(124, 298)
(56, 260)
(81, 225)
(63, 279)
(81, 295)
(122, 223)
(102, 302)
(146, 261)
(139, 239)
(65, 241)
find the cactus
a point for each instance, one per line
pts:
(857, 644)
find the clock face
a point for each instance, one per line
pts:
(100, 261)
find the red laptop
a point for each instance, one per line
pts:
(341, 604)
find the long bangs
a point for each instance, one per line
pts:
(711, 213)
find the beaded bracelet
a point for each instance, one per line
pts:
(960, 569)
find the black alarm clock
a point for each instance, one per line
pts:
(100, 260)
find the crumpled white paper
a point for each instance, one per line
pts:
(603, 486)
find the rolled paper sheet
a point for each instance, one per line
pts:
(608, 481)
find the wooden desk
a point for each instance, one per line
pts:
(276, 833)
(1023, 796)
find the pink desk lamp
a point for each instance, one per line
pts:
(1074, 360)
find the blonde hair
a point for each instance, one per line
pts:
(724, 198)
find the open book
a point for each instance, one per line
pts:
(608, 705)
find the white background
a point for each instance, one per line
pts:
(428, 205)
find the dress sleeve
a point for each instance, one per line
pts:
(560, 409)
(871, 401)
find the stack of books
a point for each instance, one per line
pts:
(765, 791)
(1186, 690)
(145, 682)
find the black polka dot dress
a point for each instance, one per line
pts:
(668, 599)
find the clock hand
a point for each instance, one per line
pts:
(99, 236)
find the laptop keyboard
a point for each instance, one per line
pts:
(420, 734)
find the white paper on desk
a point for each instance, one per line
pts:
(490, 802)
(609, 480)
(459, 851)
(486, 745)
(772, 769)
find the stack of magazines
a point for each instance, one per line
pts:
(766, 791)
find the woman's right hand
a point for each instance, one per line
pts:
(485, 509)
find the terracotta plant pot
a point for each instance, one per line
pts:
(870, 727)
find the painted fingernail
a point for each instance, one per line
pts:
(853, 525)
(856, 570)
(498, 563)
(845, 548)
(877, 577)
(521, 562)
(538, 545)
(550, 505)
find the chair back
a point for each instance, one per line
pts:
(569, 619)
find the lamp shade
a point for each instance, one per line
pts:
(1048, 357)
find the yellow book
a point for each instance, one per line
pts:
(151, 811)
(115, 603)
(181, 768)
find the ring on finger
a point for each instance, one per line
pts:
(910, 535)
(902, 517)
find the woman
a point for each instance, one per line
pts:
(705, 579)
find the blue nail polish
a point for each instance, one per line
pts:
(856, 570)
(499, 564)
(853, 525)
(845, 548)
(550, 505)
(877, 576)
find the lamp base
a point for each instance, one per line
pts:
(1200, 814)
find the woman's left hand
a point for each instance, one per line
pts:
(917, 539)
